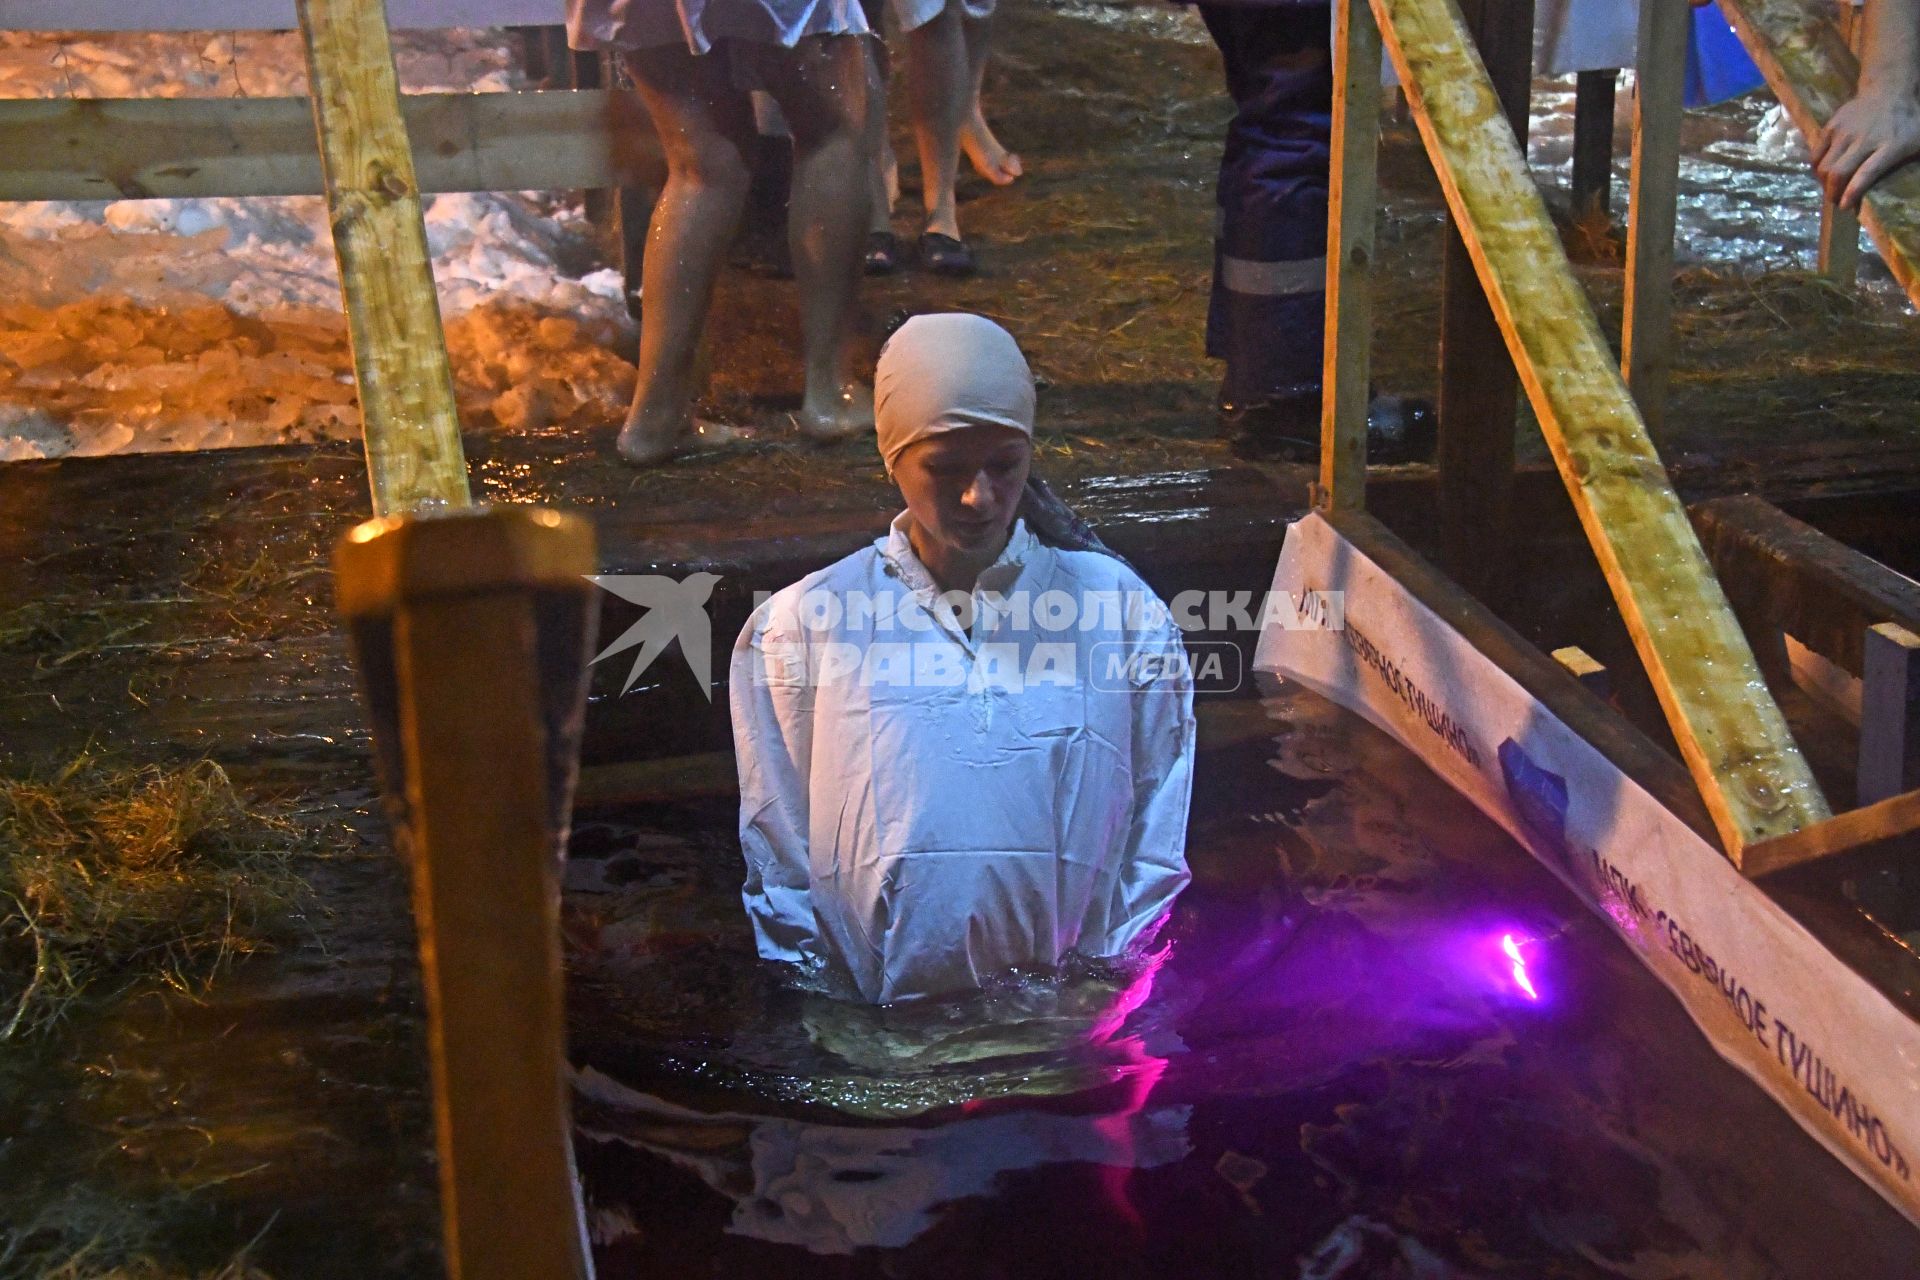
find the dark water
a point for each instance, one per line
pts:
(1335, 1069)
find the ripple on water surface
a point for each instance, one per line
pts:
(1374, 1039)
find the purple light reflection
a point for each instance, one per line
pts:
(1510, 948)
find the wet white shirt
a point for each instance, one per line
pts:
(922, 806)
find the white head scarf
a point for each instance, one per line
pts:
(947, 372)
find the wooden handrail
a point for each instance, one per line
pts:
(133, 148)
(1813, 72)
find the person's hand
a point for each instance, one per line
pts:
(1867, 137)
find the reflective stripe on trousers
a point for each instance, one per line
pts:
(1265, 317)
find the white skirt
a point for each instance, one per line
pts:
(917, 13)
(700, 24)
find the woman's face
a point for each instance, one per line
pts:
(963, 487)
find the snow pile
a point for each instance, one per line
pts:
(1777, 140)
(184, 324)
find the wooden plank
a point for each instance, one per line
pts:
(1646, 329)
(1894, 818)
(1807, 63)
(1592, 182)
(1351, 202)
(1731, 735)
(1479, 393)
(259, 15)
(130, 148)
(1889, 704)
(626, 783)
(441, 609)
(1839, 257)
(1825, 681)
(393, 314)
(1783, 574)
(1576, 706)
(1839, 253)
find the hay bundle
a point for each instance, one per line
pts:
(113, 878)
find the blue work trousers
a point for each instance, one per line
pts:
(1267, 314)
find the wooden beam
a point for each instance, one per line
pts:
(1783, 574)
(1809, 67)
(393, 314)
(1894, 818)
(1889, 710)
(1839, 253)
(631, 782)
(1576, 706)
(1592, 182)
(132, 148)
(1646, 329)
(471, 633)
(1479, 394)
(1351, 197)
(1731, 735)
(1839, 259)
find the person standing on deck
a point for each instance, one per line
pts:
(696, 63)
(968, 747)
(1878, 129)
(946, 54)
(1266, 316)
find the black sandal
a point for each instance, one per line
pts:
(946, 256)
(883, 253)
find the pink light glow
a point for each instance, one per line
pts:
(1512, 951)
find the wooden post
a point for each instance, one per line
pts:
(472, 631)
(588, 70)
(1889, 710)
(393, 315)
(1840, 228)
(1478, 392)
(1646, 329)
(533, 45)
(1350, 216)
(1812, 71)
(1593, 97)
(1839, 259)
(1731, 734)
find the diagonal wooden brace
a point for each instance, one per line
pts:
(1731, 734)
(393, 315)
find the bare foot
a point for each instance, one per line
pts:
(985, 153)
(842, 416)
(651, 448)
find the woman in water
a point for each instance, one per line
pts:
(967, 748)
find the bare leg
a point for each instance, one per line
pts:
(989, 158)
(883, 171)
(822, 89)
(937, 66)
(706, 129)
